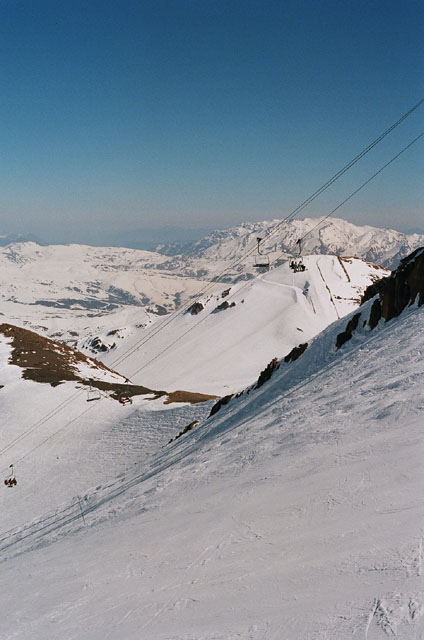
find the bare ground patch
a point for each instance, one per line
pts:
(46, 361)
(188, 396)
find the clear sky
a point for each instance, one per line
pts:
(122, 115)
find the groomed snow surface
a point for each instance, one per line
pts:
(223, 351)
(295, 513)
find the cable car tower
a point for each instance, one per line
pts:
(261, 259)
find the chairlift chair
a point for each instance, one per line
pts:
(11, 480)
(93, 394)
(125, 398)
(297, 263)
(261, 259)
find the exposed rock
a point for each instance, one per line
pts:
(266, 374)
(158, 310)
(224, 305)
(44, 360)
(221, 402)
(346, 335)
(296, 352)
(375, 314)
(402, 288)
(189, 427)
(195, 308)
(96, 345)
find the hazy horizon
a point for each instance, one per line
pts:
(148, 238)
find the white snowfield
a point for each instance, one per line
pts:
(68, 292)
(65, 291)
(295, 513)
(222, 351)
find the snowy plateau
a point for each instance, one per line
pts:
(284, 504)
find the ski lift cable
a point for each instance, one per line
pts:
(364, 184)
(374, 175)
(395, 157)
(216, 278)
(140, 477)
(52, 435)
(269, 234)
(31, 525)
(41, 421)
(45, 419)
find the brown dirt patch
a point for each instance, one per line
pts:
(46, 361)
(188, 396)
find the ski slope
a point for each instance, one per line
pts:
(69, 292)
(222, 351)
(295, 512)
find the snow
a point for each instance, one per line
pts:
(70, 292)
(221, 352)
(295, 512)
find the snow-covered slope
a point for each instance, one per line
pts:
(64, 291)
(221, 348)
(294, 513)
(81, 430)
(67, 292)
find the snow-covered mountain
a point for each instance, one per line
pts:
(219, 344)
(333, 236)
(64, 291)
(13, 238)
(295, 512)
(67, 292)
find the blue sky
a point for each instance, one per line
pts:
(204, 113)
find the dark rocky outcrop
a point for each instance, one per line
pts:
(96, 345)
(186, 429)
(296, 352)
(266, 374)
(402, 288)
(224, 305)
(346, 335)
(393, 294)
(221, 402)
(195, 308)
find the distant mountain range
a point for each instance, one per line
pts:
(11, 238)
(385, 247)
(70, 291)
